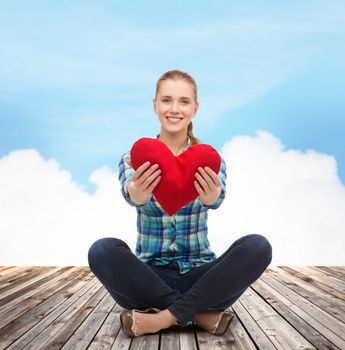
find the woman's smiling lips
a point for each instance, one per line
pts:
(174, 120)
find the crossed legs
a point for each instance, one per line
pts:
(215, 285)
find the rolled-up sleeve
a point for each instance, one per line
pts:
(125, 176)
(222, 178)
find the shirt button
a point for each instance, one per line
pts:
(172, 246)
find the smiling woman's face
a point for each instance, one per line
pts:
(175, 105)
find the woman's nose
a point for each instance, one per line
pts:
(174, 106)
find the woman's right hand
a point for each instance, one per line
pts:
(143, 182)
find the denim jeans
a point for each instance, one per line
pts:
(215, 285)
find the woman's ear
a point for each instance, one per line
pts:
(196, 109)
(154, 105)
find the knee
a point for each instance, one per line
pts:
(262, 246)
(101, 248)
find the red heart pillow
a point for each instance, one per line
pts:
(176, 186)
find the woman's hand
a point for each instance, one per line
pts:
(143, 182)
(207, 185)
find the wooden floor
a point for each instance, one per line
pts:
(66, 307)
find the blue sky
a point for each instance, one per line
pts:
(77, 78)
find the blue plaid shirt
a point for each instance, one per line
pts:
(181, 237)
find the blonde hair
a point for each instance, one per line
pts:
(177, 74)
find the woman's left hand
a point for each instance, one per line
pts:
(208, 185)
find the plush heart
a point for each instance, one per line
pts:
(176, 186)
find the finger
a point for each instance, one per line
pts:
(204, 179)
(140, 170)
(198, 188)
(208, 178)
(143, 175)
(204, 187)
(154, 184)
(151, 178)
(148, 172)
(202, 182)
(213, 175)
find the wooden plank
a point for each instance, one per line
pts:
(25, 302)
(242, 341)
(64, 289)
(170, 338)
(83, 335)
(3, 268)
(18, 277)
(234, 338)
(327, 278)
(310, 328)
(187, 339)
(208, 341)
(310, 293)
(10, 269)
(316, 311)
(122, 342)
(311, 313)
(177, 337)
(107, 333)
(332, 272)
(59, 329)
(256, 333)
(340, 269)
(314, 282)
(146, 342)
(51, 317)
(287, 308)
(277, 329)
(333, 284)
(10, 301)
(15, 287)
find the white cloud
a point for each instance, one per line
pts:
(295, 199)
(46, 218)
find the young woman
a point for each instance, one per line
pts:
(174, 277)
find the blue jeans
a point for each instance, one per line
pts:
(215, 285)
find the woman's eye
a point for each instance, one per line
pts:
(166, 100)
(185, 102)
